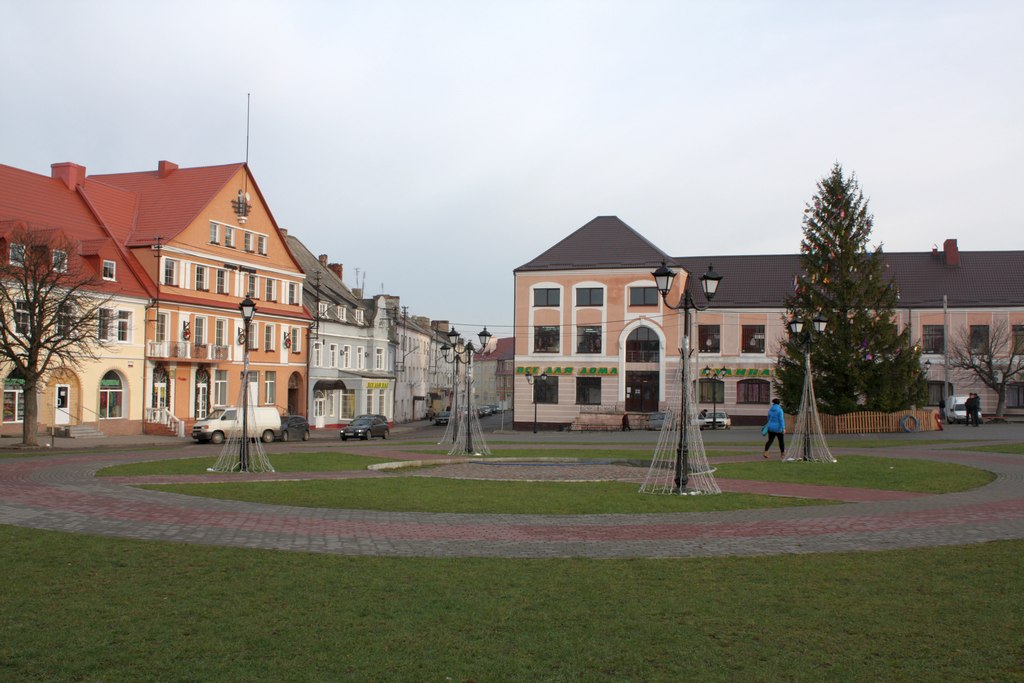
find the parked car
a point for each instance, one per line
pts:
(442, 417)
(224, 423)
(957, 414)
(484, 410)
(293, 427)
(377, 415)
(656, 420)
(365, 427)
(715, 420)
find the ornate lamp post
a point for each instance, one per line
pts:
(796, 328)
(713, 375)
(248, 310)
(664, 276)
(529, 380)
(460, 351)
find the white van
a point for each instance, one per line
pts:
(224, 423)
(956, 410)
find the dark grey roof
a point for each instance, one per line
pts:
(605, 242)
(332, 289)
(982, 279)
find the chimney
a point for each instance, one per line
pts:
(440, 326)
(165, 168)
(952, 253)
(338, 269)
(284, 232)
(358, 292)
(323, 260)
(70, 174)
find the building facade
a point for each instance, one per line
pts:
(590, 319)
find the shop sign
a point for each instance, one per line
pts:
(376, 385)
(738, 372)
(568, 370)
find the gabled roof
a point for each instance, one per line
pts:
(332, 289)
(166, 202)
(504, 349)
(605, 242)
(982, 279)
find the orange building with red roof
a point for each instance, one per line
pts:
(206, 239)
(104, 394)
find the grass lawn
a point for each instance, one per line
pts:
(88, 608)
(282, 462)
(426, 494)
(858, 471)
(1011, 448)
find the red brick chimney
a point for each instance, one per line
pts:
(70, 174)
(952, 253)
(338, 269)
(165, 168)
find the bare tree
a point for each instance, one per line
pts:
(993, 354)
(50, 301)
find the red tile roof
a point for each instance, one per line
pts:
(166, 205)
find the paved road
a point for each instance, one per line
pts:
(58, 491)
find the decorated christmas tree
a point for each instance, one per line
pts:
(862, 361)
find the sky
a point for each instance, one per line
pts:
(433, 147)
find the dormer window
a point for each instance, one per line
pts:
(322, 309)
(359, 315)
(342, 313)
(109, 270)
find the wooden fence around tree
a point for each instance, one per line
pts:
(921, 420)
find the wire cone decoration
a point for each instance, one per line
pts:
(243, 453)
(471, 443)
(808, 442)
(661, 477)
(452, 428)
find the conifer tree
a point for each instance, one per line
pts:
(862, 361)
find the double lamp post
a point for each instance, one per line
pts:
(664, 276)
(248, 310)
(459, 351)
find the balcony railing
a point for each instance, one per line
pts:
(187, 351)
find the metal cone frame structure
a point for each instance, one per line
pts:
(661, 477)
(465, 442)
(244, 454)
(808, 444)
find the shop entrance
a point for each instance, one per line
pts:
(642, 390)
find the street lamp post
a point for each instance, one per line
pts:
(664, 276)
(529, 380)
(460, 351)
(713, 375)
(796, 328)
(248, 310)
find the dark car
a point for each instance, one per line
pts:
(442, 417)
(292, 427)
(365, 427)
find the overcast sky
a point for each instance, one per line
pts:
(435, 146)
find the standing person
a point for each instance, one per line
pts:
(973, 407)
(776, 427)
(942, 408)
(625, 423)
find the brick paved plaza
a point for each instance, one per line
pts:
(60, 492)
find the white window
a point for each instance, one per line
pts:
(220, 332)
(270, 387)
(359, 315)
(247, 241)
(201, 284)
(17, 253)
(60, 260)
(360, 363)
(109, 270)
(378, 363)
(318, 357)
(293, 293)
(346, 357)
(170, 271)
(269, 336)
(262, 242)
(254, 336)
(214, 233)
(229, 237)
(271, 289)
(348, 404)
(331, 400)
(296, 340)
(220, 385)
(332, 356)
(21, 318)
(124, 326)
(162, 321)
(199, 331)
(322, 309)
(222, 281)
(341, 313)
(14, 399)
(250, 285)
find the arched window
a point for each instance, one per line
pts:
(754, 391)
(111, 396)
(711, 390)
(14, 397)
(643, 346)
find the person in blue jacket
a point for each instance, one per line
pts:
(776, 428)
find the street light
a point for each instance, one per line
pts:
(664, 276)
(460, 351)
(713, 375)
(529, 380)
(248, 310)
(796, 328)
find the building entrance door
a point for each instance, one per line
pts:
(642, 390)
(62, 405)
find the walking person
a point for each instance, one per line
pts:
(973, 407)
(625, 423)
(775, 429)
